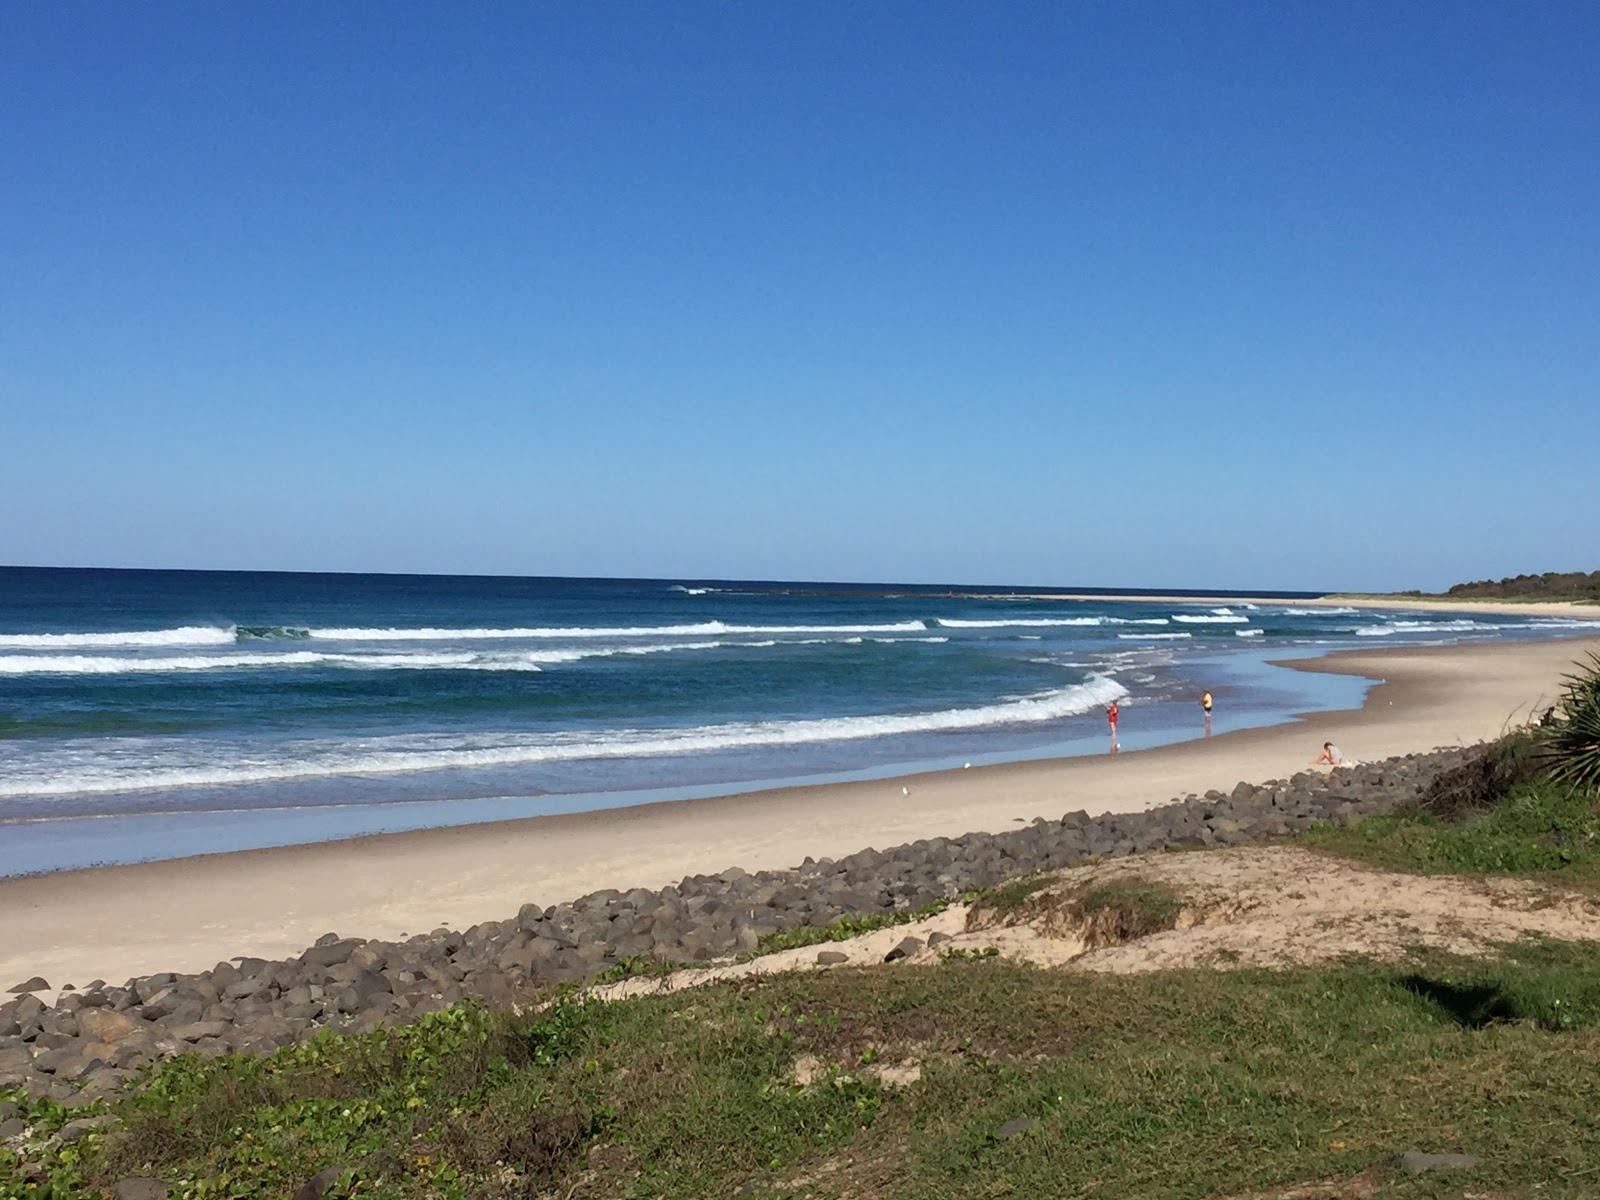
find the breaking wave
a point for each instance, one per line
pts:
(189, 635)
(389, 755)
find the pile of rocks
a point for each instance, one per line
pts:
(91, 1040)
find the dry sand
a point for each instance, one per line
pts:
(1263, 906)
(188, 914)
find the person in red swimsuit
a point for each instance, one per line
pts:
(1112, 713)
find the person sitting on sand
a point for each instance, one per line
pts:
(1330, 755)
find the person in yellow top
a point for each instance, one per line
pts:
(1205, 704)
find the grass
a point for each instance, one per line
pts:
(843, 929)
(1197, 1084)
(1541, 830)
(1130, 907)
(1103, 913)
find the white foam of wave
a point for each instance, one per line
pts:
(1390, 628)
(520, 660)
(1038, 622)
(1015, 622)
(84, 664)
(1319, 612)
(1154, 636)
(396, 754)
(691, 591)
(1554, 623)
(1215, 618)
(1248, 632)
(699, 629)
(188, 635)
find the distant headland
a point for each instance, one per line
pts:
(1575, 587)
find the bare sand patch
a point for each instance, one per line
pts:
(1270, 906)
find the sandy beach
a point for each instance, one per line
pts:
(186, 915)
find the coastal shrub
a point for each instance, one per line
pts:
(1572, 740)
(1488, 775)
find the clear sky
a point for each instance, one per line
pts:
(1284, 295)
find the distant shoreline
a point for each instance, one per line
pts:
(1537, 608)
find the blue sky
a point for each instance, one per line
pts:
(1272, 295)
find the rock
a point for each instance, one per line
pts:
(938, 939)
(74, 1131)
(105, 1025)
(831, 958)
(905, 949)
(1414, 1162)
(12, 1127)
(33, 985)
(140, 1189)
(313, 1188)
(329, 954)
(196, 1030)
(1015, 1126)
(15, 1058)
(48, 1061)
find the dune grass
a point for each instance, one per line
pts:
(1198, 1083)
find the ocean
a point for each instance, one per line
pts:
(151, 714)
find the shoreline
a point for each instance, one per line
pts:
(186, 914)
(1494, 608)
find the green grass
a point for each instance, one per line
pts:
(1542, 830)
(843, 929)
(1190, 1084)
(1009, 896)
(1137, 906)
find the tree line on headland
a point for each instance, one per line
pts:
(1550, 585)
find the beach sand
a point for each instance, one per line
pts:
(112, 923)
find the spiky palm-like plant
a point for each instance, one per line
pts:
(1572, 741)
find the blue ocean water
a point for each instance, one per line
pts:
(151, 713)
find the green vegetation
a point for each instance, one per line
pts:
(1129, 907)
(1180, 1084)
(1524, 805)
(1572, 740)
(1573, 586)
(1541, 829)
(843, 929)
(1007, 897)
(1550, 585)
(1499, 814)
